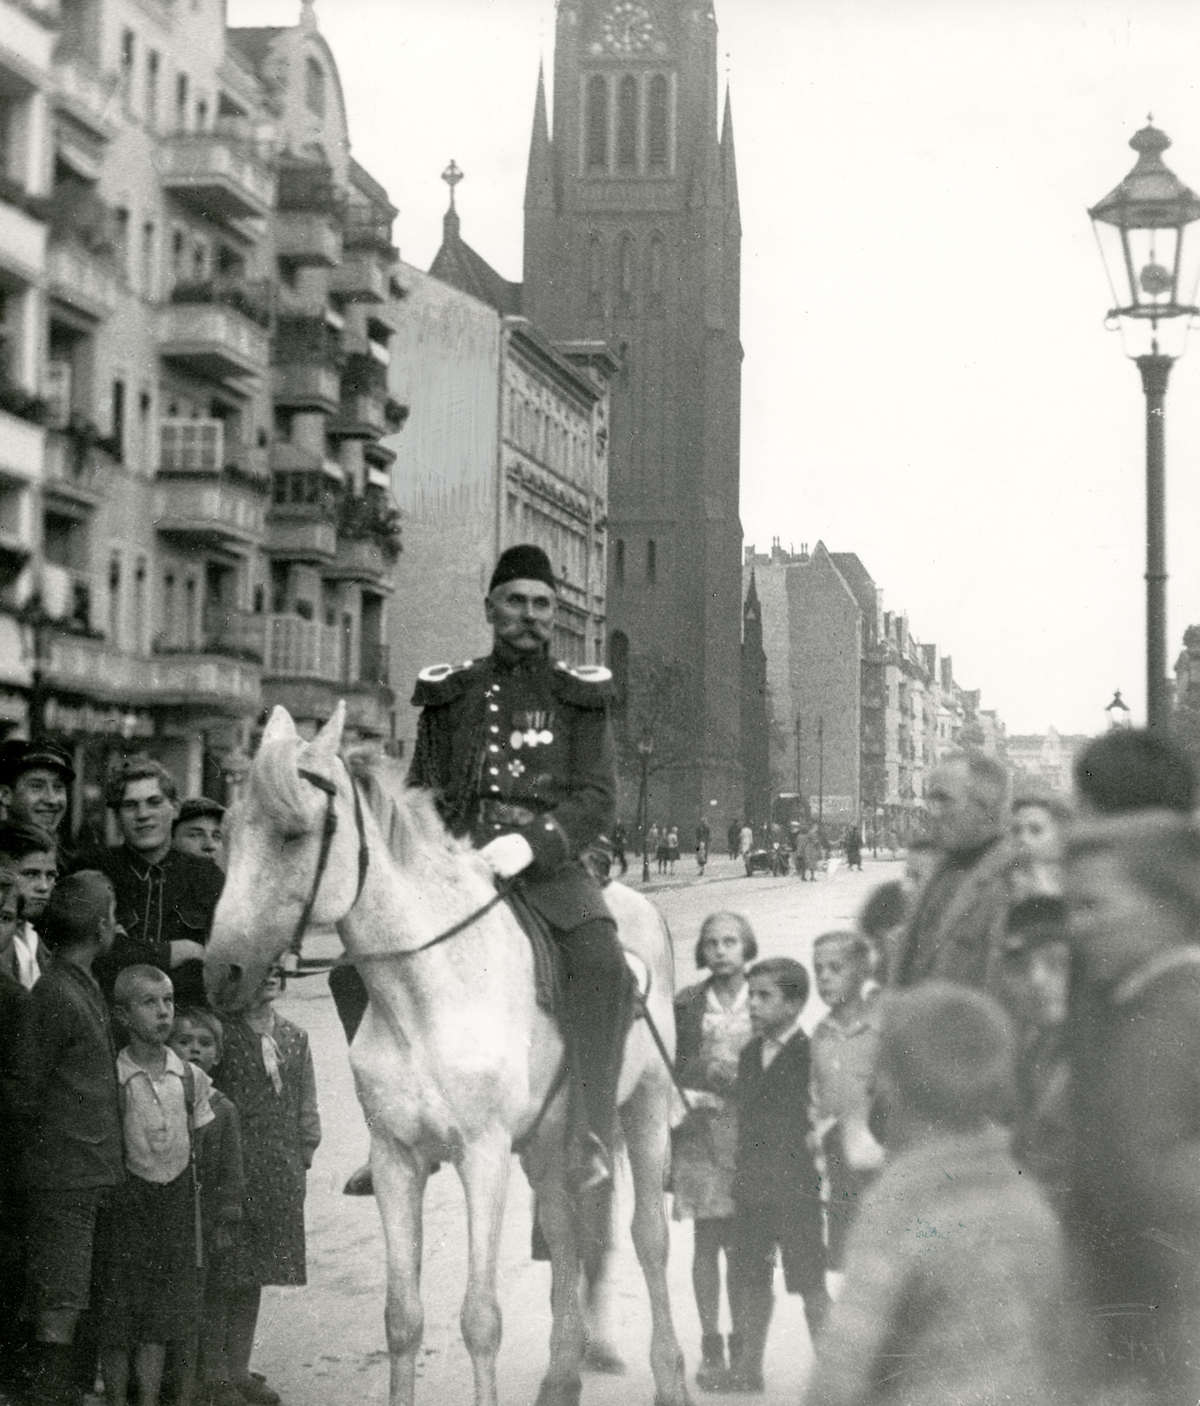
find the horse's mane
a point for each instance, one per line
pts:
(276, 785)
(408, 818)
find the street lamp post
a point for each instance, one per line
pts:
(820, 772)
(645, 748)
(1152, 259)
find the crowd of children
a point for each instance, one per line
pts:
(152, 1161)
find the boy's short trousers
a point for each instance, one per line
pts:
(796, 1230)
(62, 1237)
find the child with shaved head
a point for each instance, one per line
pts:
(954, 1266)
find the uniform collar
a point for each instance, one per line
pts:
(509, 660)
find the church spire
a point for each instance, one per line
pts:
(450, 224)
(729, 161)
(539, 176)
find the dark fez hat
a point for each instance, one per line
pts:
(524, 562)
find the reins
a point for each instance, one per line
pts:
(328, 830)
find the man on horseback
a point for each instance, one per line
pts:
(519, 752)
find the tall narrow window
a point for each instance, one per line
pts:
(595, 273)
(118, 419)
(619, 562)
(114, 599)
(625, 251)
(596, 151)
(651, 561)
(181, 102)
(153, 63)
(618, 662)
(128, 59)
(121, 240)
(658, 125)
(655, 269)
(149, 259)
(139, 606)
(627, 124)
(314, 87)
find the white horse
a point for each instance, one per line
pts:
(454, 1060)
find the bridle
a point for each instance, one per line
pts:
(328, 830)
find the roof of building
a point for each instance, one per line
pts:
(459, 265)
(255, 42)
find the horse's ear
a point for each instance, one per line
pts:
(328, 742)
(280, 727)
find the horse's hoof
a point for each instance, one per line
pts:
(559, 1393)
(604, 1358)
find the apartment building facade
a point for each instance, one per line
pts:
(213, 530)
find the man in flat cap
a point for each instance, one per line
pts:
(35, 784)
(518, 750)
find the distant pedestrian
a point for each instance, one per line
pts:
(703, 840)
(620, 843)
(672, 848)
(731, 837)
(712, 1021)
(745, 840)
(808, 855)
(653, 838)
(853, 849)
(954, 1288)
(776, 1189)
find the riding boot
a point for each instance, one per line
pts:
(596, 994)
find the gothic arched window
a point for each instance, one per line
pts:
(658, 125)
(625, 275)
(596, 124)
(314, 87)
(627, 124)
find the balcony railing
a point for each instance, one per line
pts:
(309, 186)
(93, 667)
(220, 509)
(212, 340)
(303, 649)
(251, 299)
(87, 94)
(238, 634)
(75, 466)
(360, 278)
(219, 173)
(82, 280)
(360, 416)
(308, 386)
(308, 238)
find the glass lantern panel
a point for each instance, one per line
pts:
(1152, 261)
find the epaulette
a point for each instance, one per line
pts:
(584, 685)
(441, 683)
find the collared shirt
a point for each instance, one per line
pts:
(843, 1064)
(154, 1114)
(25, 946)
(772, 1044)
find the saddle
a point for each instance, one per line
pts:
(548, 973)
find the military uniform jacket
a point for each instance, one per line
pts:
(519, 744)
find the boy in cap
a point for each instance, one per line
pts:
(197, 828)
(954, 1265)
(35, 782)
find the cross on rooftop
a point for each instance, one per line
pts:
(452, 175)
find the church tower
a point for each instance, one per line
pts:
(633, 237)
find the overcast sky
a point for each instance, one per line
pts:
(927, 379)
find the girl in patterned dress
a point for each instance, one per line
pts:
(267, 1070)
(712, 1021)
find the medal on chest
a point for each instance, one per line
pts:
(530, 729)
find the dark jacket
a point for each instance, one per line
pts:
(1133, 1211)
(956, 931)
(219, 1169)
(68, 1085)
(775, 1168)
(158, 904)
(519, 744)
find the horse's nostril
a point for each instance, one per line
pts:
(235, 972)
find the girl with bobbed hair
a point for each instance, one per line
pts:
(712, 1021)
(1037, 825)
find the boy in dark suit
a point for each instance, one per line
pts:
(776, 1190)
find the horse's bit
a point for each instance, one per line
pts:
(328, 830)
